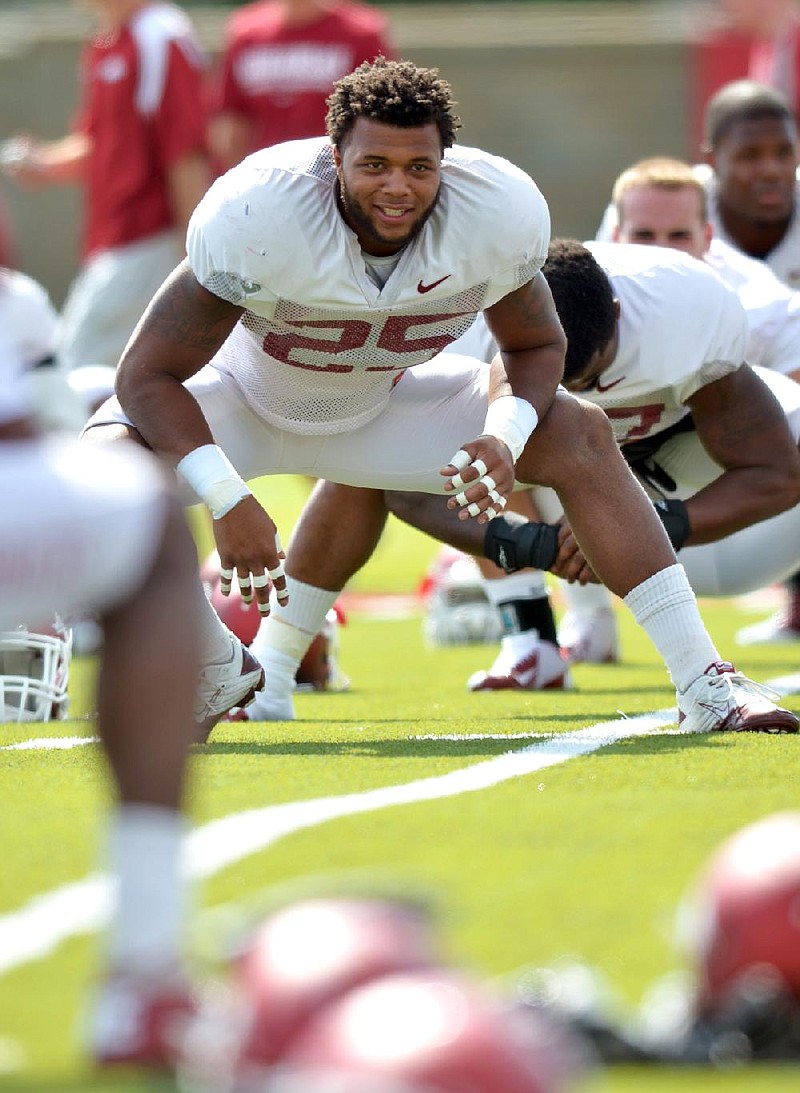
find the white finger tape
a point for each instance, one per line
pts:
(489, 483)
(457, 482)
(473, 509)
(260, 580)
(263, 608)
(225, 574)
(462, 499)
(494, 497)
(276, 572)
(282, 593)
(461, 460)
(490, 512)
(480, 467)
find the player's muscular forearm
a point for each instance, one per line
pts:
(742, 427)
(531, 341)
(181, 331)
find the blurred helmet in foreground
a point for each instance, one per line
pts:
(309, 953)
(425, 1031)
(742, 919)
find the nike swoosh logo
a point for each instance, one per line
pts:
(602, 389)
(433, 284)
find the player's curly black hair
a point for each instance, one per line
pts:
(395, 93)
(584, 301)
(742, 100)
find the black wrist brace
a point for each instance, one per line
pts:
(675, 518)
(513, 543)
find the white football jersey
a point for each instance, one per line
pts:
(320, 345)
(680, 328)
(773, 309)
(772, 306)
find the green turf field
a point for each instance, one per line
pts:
(587, 858)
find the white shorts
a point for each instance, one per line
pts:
(80, 527)
(752, 558)
(434, 409)
(109, 296)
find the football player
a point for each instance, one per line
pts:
(676, 389)
(86, 533)
(322, 277)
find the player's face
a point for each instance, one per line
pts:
(388, 182)
(659, 217)
(755, 164)
(600, 360)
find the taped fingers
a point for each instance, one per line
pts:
(225, 580)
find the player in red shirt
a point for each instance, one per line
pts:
(138, 145)
(280, 62)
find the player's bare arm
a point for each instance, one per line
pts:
(743, 428)
(525, 373)
(180, 332)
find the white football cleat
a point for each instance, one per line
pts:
(590, 637)
(723, 700)
(223, 686)
(524, 663)
(777, 628)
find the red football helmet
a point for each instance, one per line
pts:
(744, 912)
(311, 952)
(428, 1031)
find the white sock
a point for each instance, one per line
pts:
(584, 598)
(528, 584)
(145, 850)
(665, 607)
(283, 639)
(215, 637)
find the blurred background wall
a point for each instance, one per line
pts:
(573, 92)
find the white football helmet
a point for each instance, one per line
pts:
(34, 673)
(457, 610)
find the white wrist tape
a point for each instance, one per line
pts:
(213, 478)
(511, 420)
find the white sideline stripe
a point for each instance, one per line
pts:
(54, 743)
(45, 921)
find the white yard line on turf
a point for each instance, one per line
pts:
(50, 743)
(45, 921)
(38, 927)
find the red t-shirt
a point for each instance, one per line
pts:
(278, 75)
(143, 108)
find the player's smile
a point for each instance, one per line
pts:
(388, 182)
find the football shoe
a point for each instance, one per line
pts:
(780, 627)
(723, 700)
(524, 663)
(140, 1021)
(222, 687)
(590, 637)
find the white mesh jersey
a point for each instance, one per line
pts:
(680, 328)
(766, 293)
(320, 346)
(773, 309)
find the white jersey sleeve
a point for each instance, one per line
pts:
(320, 345)
(680, 329)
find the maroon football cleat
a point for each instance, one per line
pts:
(525, 663)
(140, 1021)
(723, 700)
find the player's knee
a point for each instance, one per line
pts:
(574, 438)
